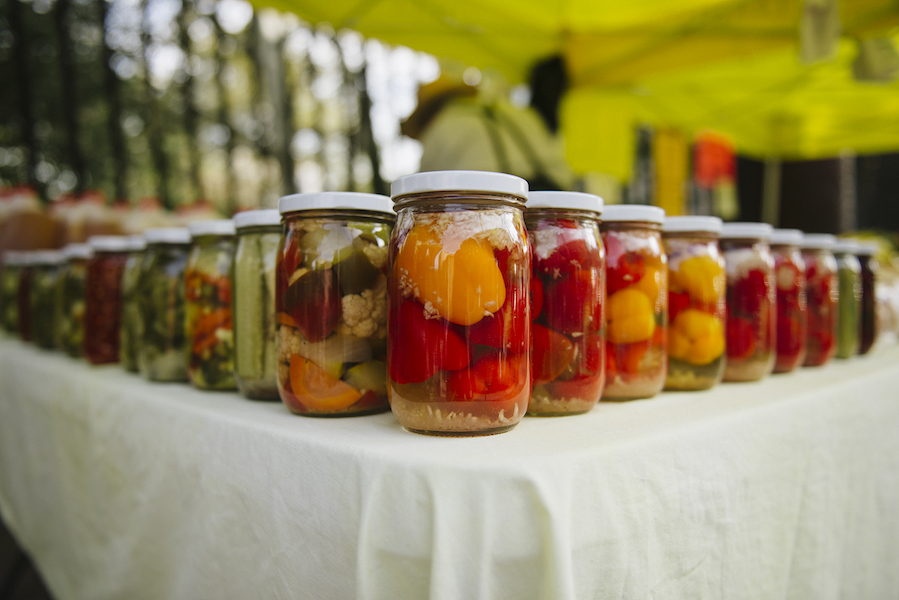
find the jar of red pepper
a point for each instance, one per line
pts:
(207, 305)
(103, 298)
(790, 292)
(567, 302)
(331, 303)
(636, 301)
(821, 296)
(459, 328)
(750, 301)
(867, 256)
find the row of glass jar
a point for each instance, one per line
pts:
(484, 325)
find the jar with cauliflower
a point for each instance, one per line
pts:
(821, 298)
(331, 303)
(791, 305)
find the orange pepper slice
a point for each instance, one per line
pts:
(317, 390)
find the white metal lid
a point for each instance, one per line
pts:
(690, 223)
(109, 243)
(256, 218)
(136, 243)
(817, 241)
(47, 257)
(565, 201)
(78, 251)
(15, 257)
(462, 181)
(335, 201)
(845, 246)
(211, 227)
(634, 212)
(761, 231)
(167, 235)
(868, 247)
(786, 237)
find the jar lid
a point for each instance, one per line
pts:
(109, 243)
(818, 241)
(136, 243)
(867, 248)
(335, 201)
(634, 212)
(845, 246)
(761, 231)
(211, 227)
(462, 181)
(15, 257)
(255, 218)
(690, 223)
(565, 201)
(167, 235)
(78, 251)
(47, 257)
(786, 237)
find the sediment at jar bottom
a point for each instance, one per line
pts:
(457, 418)
(546, 405)
(259, 390)
(684, 377)
(751, 369)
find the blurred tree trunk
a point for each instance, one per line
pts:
(224, 117)
(367, 135)
(351, 97)
(69, 80)
(21, 47)
(191, 115)
(114, 113)
(153, 118)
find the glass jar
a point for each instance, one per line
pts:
(696, 308)
(459, 278)
(70, 300)
(207, 295)
(255, 260)
(849, 298)
(9, 291)
(162, 349)
(750, 327)
(636, 301)
(103, 298)
(792, 309)
(567, 302)
(130, 328)
(867, 258)
(821, 296)
(331, 303)
(23, 295)
(46, 266)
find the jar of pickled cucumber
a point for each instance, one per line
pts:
(868, 326)
(460, 272)
(130, 330)
(71, 300)
(46, 265)
(750, 326)
(567, 302)
(23, 295)
(9, 290)
(208, 294)
(790, 294)
(162, 348)
(821, 297)
(255, 260)
(331, 303)
(696, 310)
(849, 275)
(636, 301)
(103, 298)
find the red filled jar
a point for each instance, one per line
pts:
(750, 301)
(103, 298)
(636, 301)
(459, 328)
(331, 303)
(792, 309)
(821, 296)
(696, 311)
(867, 256)
(567, 300)
(23, 297)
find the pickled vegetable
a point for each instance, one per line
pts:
(848, 322)
(792, 311)
(103, 300)
(71, 302)
(43, 299)
(130, 331)
(821, 294)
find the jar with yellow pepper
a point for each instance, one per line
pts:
(636, 301)
(696, 310)
(459, 327)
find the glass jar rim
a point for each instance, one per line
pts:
(817, 241)
(489, 182)
(211, 227)
(167, 235)
(256, 218)
(786, 237)
(561, 200)
(744, 230)
(335, 201)
(633, 212)
(109, 243)
(691, 224)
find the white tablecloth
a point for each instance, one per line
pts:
(785, 488)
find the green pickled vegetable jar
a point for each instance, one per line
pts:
(70, 300)
(207, 293)
(331, 302)
(9, 290)
(255, 353)
(849, 272)
(47, 266)
(162, 348)
(130, 332)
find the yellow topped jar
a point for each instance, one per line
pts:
(459, 327)
(636, 301)
(696, 308)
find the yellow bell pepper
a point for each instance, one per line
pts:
(629, 317)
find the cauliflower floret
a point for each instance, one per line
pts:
(363, 313)
(376, 255)
(290, 343)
